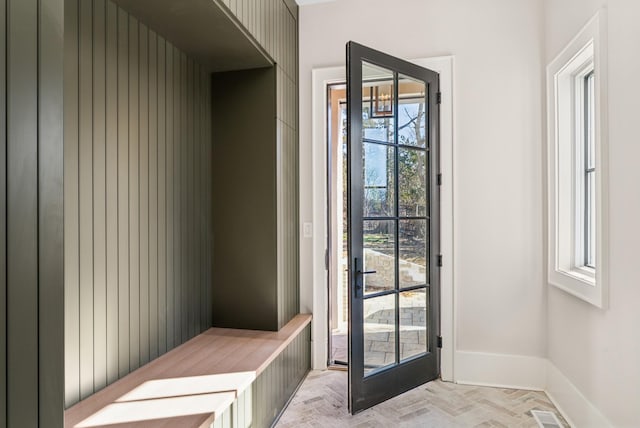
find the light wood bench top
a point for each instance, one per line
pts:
(190, 385)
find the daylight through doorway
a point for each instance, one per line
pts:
(379, 246)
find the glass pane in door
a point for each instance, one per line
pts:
(413, 238)
(378, 122)
(412, 179)
(412, 112)
(413, 323)
(379, 238)
(379, 332)
(379, 180)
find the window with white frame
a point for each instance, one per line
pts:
(576, 95)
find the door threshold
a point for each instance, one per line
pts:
(338, 367)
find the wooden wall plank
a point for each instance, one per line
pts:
(22, 214)
(188, 190)
(112, 190)
(134, 198)
(184, 196)
(202, 200)
(123, 194)
(3, 215)
(71, 220)
(153, 195)
(194, 295)
(99, 196)
(177, 192)
(51, 214)
(170, 260)
(85, 175)
(197, 189)
(209, 199)
(143, 195)
(162, 198)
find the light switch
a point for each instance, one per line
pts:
(307, 230)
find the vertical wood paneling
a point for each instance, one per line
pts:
(273, 23)
(3, 216)
(134, 198)
(153, 196)
(99, 196)
(194, 188)
(71, 220)
(189, 190)
(112, 190)
(177, 195)
(123, 196)
(31, 213)
(162, 198)
(85, 187)
(272, 389)
(143, 195)
(22, 214)
(265, 398)
(50, 214)
(197, 266)
(169, 121)
(184, 197)
(202, 209)
(209, 197)
(137, 133)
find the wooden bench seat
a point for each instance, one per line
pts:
(189, 386)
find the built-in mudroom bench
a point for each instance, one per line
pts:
(220, 378)
(181, 230)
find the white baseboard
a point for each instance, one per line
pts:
(500, 370)
(573, 405)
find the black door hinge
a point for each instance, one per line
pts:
(439, 98)
(439, 179)
(326, 259)
(439, 341)
(439, 260)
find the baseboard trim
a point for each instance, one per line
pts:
(500, 370)
(574, 406)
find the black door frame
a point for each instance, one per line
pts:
(382, 385)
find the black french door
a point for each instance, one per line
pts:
(393, 219)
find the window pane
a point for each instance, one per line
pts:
(412, 127)
(379, 183)
(413, 323)
(590, 120)
(412, 177)
(590, 228)
(379, 255)
(379, 332)
(413, 252)
(377, 103)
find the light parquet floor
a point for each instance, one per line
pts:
(321, 402)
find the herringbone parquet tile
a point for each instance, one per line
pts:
(322, 402)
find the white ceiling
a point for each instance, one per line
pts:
(307, 2)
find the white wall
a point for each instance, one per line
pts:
(599, 350)
(498, 224)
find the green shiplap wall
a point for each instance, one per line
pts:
(273, 25)
(137, 200)
(260, 404)
(31, 173)
(3, 214)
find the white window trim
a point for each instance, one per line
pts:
(585, 52)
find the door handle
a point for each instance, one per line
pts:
(358, 277)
